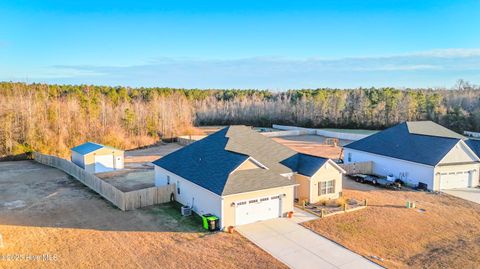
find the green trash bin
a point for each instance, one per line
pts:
(205, 220)
(210, 222)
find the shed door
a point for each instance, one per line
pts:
(103, 163)
(257, 209)
(118, 162)
(453, 180)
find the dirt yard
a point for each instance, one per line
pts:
(442, 232)
(309, 144)
(140, 157)
(45, 212)
(130, 179)
(312, 144)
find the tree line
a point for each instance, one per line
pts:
(54, 118)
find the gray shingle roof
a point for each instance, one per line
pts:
(210, 162)
(308, 165)
(422, 142)
(253, 180)
(246, 141)
(474, 145)
(430, 128)
(204, 162)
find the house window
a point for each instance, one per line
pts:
(168, 180)
(326, 187)
(349, 157)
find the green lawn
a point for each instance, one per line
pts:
(171, 211)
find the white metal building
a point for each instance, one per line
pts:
(419, 152)
(96, 158)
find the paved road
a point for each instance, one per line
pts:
(299, 247)
(470, 194)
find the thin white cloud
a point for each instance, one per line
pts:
(449, 53)
(392, 67)
(427, 68)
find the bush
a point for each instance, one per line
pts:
(340, 202)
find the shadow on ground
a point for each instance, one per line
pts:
(36, 195)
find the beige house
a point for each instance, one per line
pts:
(323, 183)
(96, 158)
(238, 175)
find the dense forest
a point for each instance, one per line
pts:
(53, 118)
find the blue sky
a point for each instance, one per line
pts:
(241, 44)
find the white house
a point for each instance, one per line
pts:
(419, 152)
(242, 176)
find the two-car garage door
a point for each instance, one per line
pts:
(453, 180)
(257, 209)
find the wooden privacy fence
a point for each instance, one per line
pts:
(358, 168)
(287, 133)
(149, 196)
(123, 200)
(326, 133)
(185, 140)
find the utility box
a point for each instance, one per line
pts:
(210, 222)
(186, 211)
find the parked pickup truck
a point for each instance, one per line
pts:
(376, 180)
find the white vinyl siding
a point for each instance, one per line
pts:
(188, 193)
(460, 153)
(410, 172)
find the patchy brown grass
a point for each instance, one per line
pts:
(310, 144)
(445, 235)
(88, 248)
(203, 130)
(59, 216)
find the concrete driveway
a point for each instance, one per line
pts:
(470, 194)
(299, 247)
